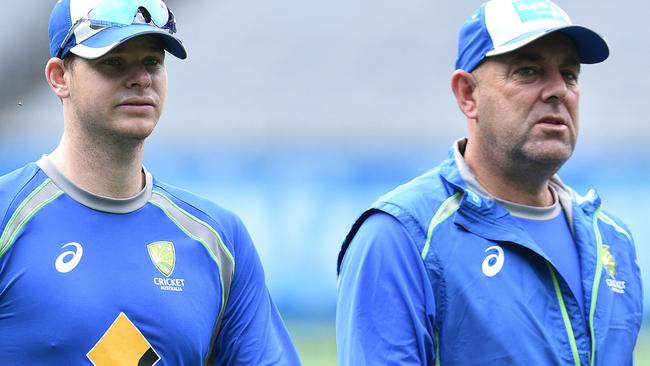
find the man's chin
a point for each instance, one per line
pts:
(135, 130)
(554, 154)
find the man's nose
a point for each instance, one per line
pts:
(556, 88)
(139, 76)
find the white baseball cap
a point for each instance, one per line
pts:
(501, 26)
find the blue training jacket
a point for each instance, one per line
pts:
(499, 300)
(165, 277)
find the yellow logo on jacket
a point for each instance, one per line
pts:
(609, 263)
(123, 345)
(608, 260)
(163, 256)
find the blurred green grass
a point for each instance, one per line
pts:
(642, 350)
(316, 343)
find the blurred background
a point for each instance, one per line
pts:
(297, 114)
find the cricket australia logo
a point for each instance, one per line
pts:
(163, 256)
(610, 266)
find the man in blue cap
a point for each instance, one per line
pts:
(490, 259)
(102, 264)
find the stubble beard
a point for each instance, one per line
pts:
(522, 157)
(113, 124)
(537, 159)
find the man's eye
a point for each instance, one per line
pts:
(112, 62)
(571, 77)
(525, 71)
(152, 62)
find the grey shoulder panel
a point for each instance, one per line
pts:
(41, 196)
(206, 235)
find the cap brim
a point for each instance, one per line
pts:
(591, 47)
(109, 38)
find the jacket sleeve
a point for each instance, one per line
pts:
(252, 331)
(385, 307)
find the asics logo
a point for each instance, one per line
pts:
(493, 263)
(68, 260)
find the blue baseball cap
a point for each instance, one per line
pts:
(92, 28)
(502, 26)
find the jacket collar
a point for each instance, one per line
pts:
(481, 214)
(457, 174)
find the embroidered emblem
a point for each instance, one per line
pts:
(609, 263)
(163, 256)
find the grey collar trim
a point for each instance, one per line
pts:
(91, 200)
(533, 212)
(561, 193)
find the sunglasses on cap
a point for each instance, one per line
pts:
(112, 13)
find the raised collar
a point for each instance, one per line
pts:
(476, 199)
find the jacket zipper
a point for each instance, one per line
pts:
(594, 297)
(596, 286)
(565, 316)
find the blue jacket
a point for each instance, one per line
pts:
(495, 296)
(162, 276)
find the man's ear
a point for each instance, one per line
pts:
(464, 84)
(55, 74)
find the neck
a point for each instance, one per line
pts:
(101, 167)
(525, 183)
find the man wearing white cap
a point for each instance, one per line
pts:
(102, 264)
(490, 259)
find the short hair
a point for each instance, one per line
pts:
(69, 60)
